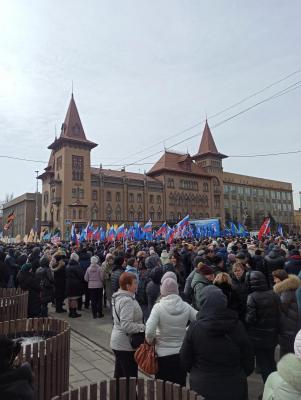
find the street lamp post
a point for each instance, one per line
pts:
(36, 208)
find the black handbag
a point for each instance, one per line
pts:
(136, 339)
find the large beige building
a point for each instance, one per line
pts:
(249, 200)
(23, 207)
(177, 185)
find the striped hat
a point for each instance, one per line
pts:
(297, 345)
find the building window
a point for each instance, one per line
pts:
(46, 199)
(78, 168)
(217, 202)
(57, 215)
(74, 213)
(81, 193)
(205, 187)
(59, 163)
(94, 213)
(131, 198)
(139, 198)
(159, 216)
(45, 216)
(118, 196)
(152, 215)
(80, 214)
(74, 193)
(94, 194)
(108, 196)
(170, 183)
(131, 216)
(139, 216)
(158, 199)
(151, 199)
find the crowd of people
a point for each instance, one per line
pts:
(215, 308)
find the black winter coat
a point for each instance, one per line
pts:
(153, 287)
(263, 314)
(274, 260)
(13, 269)
(74, 279)
(4, 274)
(59, 275)
(29, 282)
(17, 384)
(293, 265)
(289, 316)
(84, 260)
(116, 272)
(232, 298)
(44, 275)
(241, 290)
(216, 350)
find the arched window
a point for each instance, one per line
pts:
(94, 213)
(205, 187)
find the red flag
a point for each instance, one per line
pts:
(264, 229)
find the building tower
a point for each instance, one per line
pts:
(209, 159)
(67, 178)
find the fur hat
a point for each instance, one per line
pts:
(297, 345)
(94, 260)
(169, 286)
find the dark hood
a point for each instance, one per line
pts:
(214, 316)
(156, 274)
(44, 262)
(274, 254)
(256, 281)
(152, 261)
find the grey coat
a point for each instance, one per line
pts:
(128, 319)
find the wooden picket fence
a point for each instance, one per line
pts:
(49, 358)
(13, 304)
(130, 389)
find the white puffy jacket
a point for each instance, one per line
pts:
(167, 324)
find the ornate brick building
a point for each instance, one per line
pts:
(177, 184)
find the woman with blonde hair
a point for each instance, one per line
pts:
(224, 282)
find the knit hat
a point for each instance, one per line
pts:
(169, 275)
(297, 345)
(169, 286)
(26, 267)
(205, 269)
(94, 260)
(164, 257)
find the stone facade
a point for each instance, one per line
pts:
(23, 208)
(177, 185)
(249, 200)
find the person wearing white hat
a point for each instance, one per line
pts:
(285, 383)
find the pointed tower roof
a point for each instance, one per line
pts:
(72, 128)
(207, 145)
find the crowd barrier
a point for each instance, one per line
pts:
(47, 349)
(131, 389)
(13, 304)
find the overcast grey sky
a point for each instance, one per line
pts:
(145, 70)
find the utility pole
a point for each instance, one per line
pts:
(36, 209)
